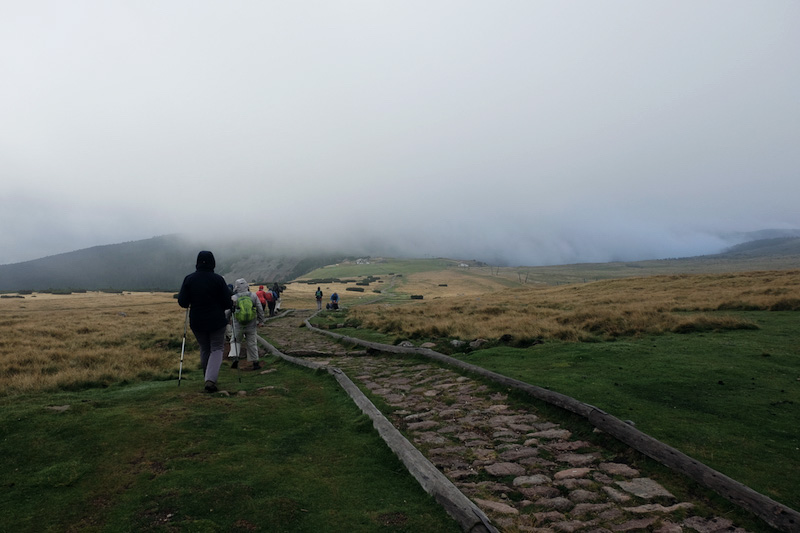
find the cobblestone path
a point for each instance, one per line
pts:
(525, 472)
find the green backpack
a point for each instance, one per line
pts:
(245, 310)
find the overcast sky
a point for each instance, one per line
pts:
(525, 132)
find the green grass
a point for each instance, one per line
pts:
(390, 266)
(295, 456)
(730, 399)
(329, 318)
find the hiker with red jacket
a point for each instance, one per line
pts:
(262, 296)
(207, 297)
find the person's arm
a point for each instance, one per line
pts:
(225, 300)
(183, 294)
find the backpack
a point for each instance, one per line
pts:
(245, 310)
(318, 294)
(269, 296)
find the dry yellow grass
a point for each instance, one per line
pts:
(452, 283)
(50, 342)
(53, 342)
(589, 311)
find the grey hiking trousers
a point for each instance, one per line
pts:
(250, 342)
(211, 346)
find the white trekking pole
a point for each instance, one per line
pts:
(183, 346)
(235, 346)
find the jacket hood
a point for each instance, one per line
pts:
(241, 285)
(205, 261)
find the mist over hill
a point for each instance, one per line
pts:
(778, 246)
(160, 263)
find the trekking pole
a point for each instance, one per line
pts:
(183, 346)
(237, 347)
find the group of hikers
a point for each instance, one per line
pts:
(270, 299)
(218, 312)
(333, 304)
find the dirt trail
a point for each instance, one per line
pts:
(524, 471)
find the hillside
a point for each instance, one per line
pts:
(763, 254)
(782, 246)
(159, 263)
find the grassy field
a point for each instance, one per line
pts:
(98, 436)
(561, 274)
(61, 342)
(708, 363)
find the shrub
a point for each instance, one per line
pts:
(527, 342)
(706, 323)
(738, 306)
(786, 304)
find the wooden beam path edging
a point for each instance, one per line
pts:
(773, 513)
(468, 515)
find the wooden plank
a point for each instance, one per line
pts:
(463, 510)
(773, 513)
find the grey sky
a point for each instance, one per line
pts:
(518, 131)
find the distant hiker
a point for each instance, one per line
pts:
(207, 297)
(334, 301)
(277, 290)
(262, 296)
(247, 316)
(318, 295)
(272, 298)
(267, 299)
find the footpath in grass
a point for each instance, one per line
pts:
(729, 399)
(293, 454)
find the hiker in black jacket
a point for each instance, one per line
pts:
(208, 297)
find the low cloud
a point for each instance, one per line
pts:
(535, 134)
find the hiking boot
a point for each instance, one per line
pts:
(256, 366)
(235, 364)
(211, 386)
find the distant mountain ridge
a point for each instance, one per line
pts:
(161, 263)
(760, 235)
(761, 247)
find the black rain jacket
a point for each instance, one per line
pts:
(209, 298)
